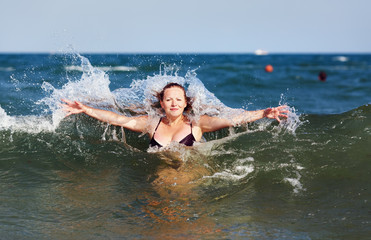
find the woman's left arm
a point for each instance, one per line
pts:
(251, 116)
(210, 124)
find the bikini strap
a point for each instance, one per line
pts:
(191, 128)
(157, 126)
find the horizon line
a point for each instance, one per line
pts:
(180, 52)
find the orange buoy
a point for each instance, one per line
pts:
(269, 68)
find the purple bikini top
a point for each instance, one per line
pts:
(187, 140)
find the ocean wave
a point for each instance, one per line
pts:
(258, 155)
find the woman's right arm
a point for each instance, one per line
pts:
(137, 124)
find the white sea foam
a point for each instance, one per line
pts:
(5, 119)
(29, 124)
(295, 183)
(103, 68)
(240, 170)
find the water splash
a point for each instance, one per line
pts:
(141, 96)
(103, 68)
(292, 122)
(92, 88)
(240, 169)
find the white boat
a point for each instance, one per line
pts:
(260, 52)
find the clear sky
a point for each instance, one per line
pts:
(179, 26)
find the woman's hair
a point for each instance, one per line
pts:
(160, 95)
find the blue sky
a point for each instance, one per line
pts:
(193, 26)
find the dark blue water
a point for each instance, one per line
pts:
(76, 178)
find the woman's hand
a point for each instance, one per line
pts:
(73, 107)
(276, 113)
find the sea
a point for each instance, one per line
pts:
(306, 177)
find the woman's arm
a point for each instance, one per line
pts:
(251, 116)
(210, 124)
(138, 124)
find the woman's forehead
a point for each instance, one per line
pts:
(174, 91)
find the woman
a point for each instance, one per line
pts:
(174, 126)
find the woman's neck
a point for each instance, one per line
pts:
(173, 121)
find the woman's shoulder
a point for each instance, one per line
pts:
(200, 120)
(196, 129)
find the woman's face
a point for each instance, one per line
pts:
(173, 101)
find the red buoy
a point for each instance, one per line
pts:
(269, 68)
(322, 76)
